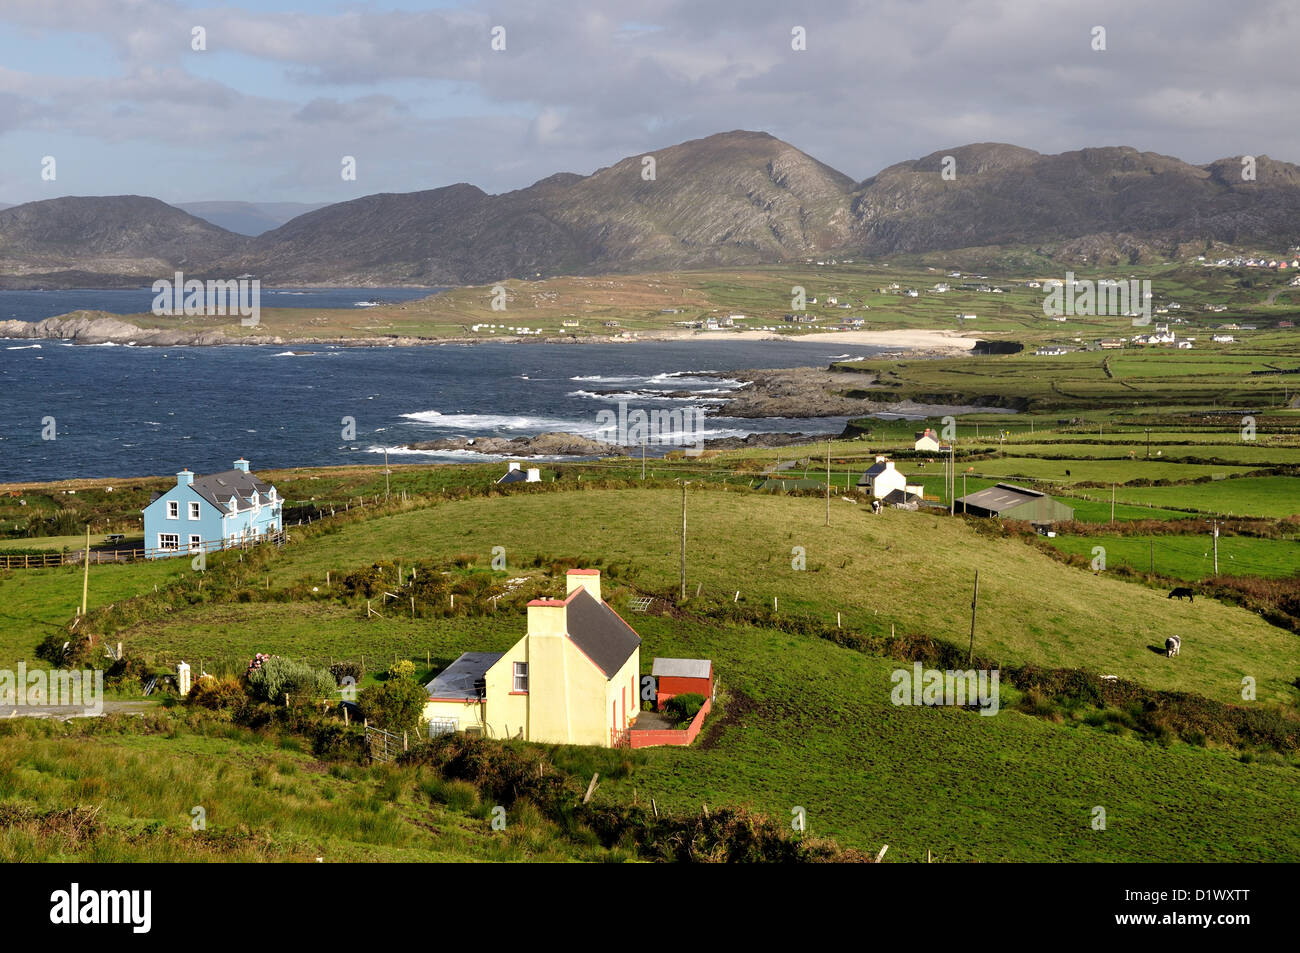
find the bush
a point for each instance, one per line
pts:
(395, 705)
(52, 648)
(216, 693)
(276, 677)
(125, 669)
(404, 669)
(342, 670)
(684, 708)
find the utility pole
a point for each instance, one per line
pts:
(643, 456)
(683, 561)
(952, 482)
(828, 483)
(1216, 546)
(1148, 443)
(385, 473)
(1112, 502)
(973, 600)
(86, 574)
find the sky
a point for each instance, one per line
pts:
(116, 92)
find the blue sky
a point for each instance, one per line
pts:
(114, 92)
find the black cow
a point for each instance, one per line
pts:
(1181, 591)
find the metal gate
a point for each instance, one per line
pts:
(384, 746)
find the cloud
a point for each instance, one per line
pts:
(584, 83)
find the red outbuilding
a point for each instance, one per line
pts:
(682, 676)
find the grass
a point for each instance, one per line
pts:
(1191, 557)
(1269, 496)
(262, 798)
(808, 724)
(909, 570)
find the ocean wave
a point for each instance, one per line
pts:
(24, 347)
(519, 422)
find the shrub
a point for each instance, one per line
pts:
(216, 693)
(125, 669)
(683, 708)
(276, 677)
(395, 705)
(342, 670)
(403, 669)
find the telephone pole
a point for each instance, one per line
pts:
(683, 560)
(952, 482)
(1216, 546)
(86, 574)
(386, 490)
(1112, 502)
(973, 600)
(828, 483)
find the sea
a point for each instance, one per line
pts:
(123, 411)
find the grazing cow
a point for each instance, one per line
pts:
(1172, 646)
(1181, 591)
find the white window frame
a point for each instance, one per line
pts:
(196, 512)
(173, 509)
(520, 671)
(175, 547)
(196, 542)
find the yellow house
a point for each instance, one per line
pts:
(573, 679)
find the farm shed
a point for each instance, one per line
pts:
(682, 676)
(1013, 502)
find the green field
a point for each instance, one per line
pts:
(1191, 557)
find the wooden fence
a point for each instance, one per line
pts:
(103, 556)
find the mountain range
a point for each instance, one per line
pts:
(735, 198)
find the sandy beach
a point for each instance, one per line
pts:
(902, 339)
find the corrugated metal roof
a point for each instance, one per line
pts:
(683, 667)
(1000, 497)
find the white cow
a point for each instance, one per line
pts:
(1172, 645)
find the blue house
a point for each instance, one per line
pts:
(205, 513)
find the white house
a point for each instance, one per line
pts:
(516, 475)
(883, 478)
(927, 440)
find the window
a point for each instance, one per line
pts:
(173, 510)
(194, 511)
(169, 541)
(521, 677)
(196, 543)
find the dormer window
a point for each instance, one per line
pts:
(234, 504)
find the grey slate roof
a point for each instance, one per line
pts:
(597, 630)
(682, 667)
(514, 476)
(217, 488)
(462, 677)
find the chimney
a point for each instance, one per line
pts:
(513, 466)
(880, 458)
(588, 579)
(547, 617)
(241, 464)
(534, 475)
(185, 477)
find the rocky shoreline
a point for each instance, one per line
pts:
(556, 444)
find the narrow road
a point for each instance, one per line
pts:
(64, 712)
